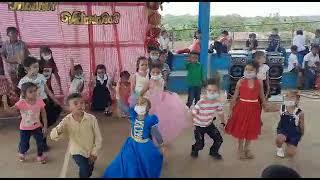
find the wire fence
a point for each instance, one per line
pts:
(182, 38)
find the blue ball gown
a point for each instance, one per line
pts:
(139, 157)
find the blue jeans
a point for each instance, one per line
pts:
(85, 166)
(309, 79)
(25, 136)
(193, 94)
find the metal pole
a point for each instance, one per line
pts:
(203, 25)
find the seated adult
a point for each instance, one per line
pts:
(279, 171)
(252, 42)
(316, 40)
(226, 41)
(309, 67)
(300, 41)
(274, 42)
(195, 46)
(13, 53)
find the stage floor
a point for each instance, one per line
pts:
(180, 164)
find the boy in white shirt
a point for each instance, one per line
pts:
(309, 66)
(294, 66)
(300, 41)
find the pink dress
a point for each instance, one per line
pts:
(173, 114)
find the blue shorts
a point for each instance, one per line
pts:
(290, 139)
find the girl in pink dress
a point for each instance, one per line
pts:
(172, 112)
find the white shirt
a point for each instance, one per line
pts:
(299, 41)
(311, 59)
(40, 81)
(293, 59)
(76, 84)
(164, 43)
(262, 72)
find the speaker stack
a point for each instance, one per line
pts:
(275, 61)
(237, 65)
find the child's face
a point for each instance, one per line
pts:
(31, 93)
(155, 72)
(193, 58)
(165, 35)
(261, 60)
(76, 105)
(154, 55)
(124, 79)
(141, 107)
(33, 69)
(101, 72)
(78, 72)
(46, 56)
(314, 51)
(290, 99)
(163, 57)
(211, 89)
(143, 66)
(250, 72)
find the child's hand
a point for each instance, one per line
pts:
(222, 126)
(5, 99)
(92, 158)
(44, 131)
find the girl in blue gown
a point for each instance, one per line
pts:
(139, 157)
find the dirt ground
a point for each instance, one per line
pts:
(179, 163)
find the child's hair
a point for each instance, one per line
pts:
(299, 32)
(195, 34)
(141, 58)
(25, 87)
(252, 35)
(11, 29)
(294, 48)
(153, 48)
(225, 32)
(45, 50)
(253, 64)
(73, 96)
(77, 67)
(295, 93)
(100, 66)
(212, 81)
(275, 29)
(259, 54)
(156, 65)
(163, 32)
(125, 74)
(279, 171)
(28, 61)
(194, 52)
(314, 46)
(144, 101)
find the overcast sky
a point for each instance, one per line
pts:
(246, 9)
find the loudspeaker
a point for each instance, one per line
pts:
(275, 62)
(237, 64)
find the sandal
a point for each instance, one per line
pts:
(249, 154)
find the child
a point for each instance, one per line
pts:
(245, 108)
(139, 81)
(83, 132)
(32, 67)
(165, 67)
(252, 42)
(47, 67)
(31, 108)
(101, 97)
(291, 125)
(123, 93)
(77, 78)
(279, 171)
(263, 71)
(294, 66)
(154, 54)
(194, 78)
(204, 113)
(195, 46)
(170, 125)
(139, 157)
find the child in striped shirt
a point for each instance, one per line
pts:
(204, 113)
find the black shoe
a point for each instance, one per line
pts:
(194, 154)
(216, 156)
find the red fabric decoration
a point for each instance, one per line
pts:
(153, 5)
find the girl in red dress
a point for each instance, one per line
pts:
(245, 120)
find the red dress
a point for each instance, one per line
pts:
(245, 121)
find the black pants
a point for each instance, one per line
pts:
(169, 59)
(194, 93)
(85, 166)
(214, 134)
(25, 136)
